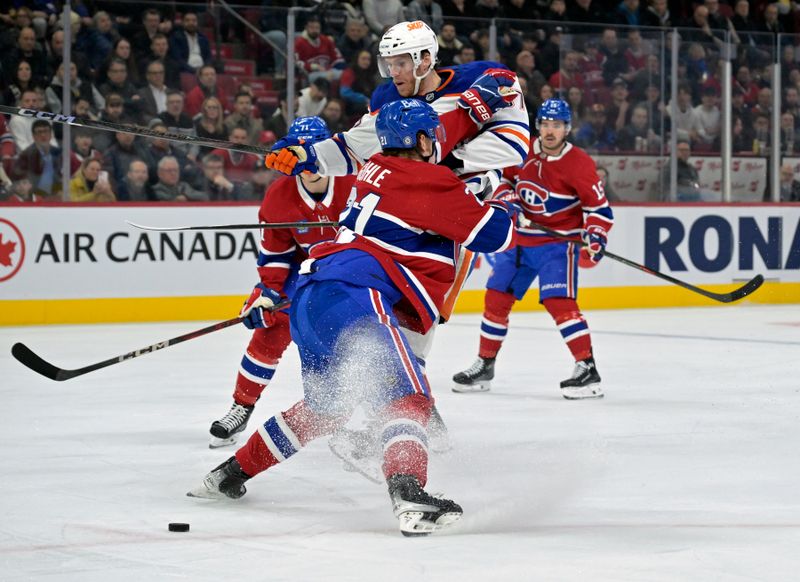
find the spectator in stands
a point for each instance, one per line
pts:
(698, 29)
(134, 187)
(603, 174)
(636, 52)
(685, 122)
(313, 98)
(638, 135)
(457, 9)
(242, 117)
(381, 14)
(791, 103)
(21, 128)
(746, 84)
(615, 65)
(82, 149)
(743, 26)
(657, 15)
(480, 40)
(716, 20)
(465, 55)
(649, 75)
(215, 184)
(688, 188)
(206, 87)
(238, 165)
(21, 192)
(763, 102)
(151, 18)
(426, 10)
(178, 122)
(556, 12)
(188, 46)
(761, 137)
(88, 184)
(358, 82)
(628, 13)
(708, 119)
(153, 96)
(788, 136)
(157, 149)
(113, 113)
(317, 53)
(40, 162)
(526, 69)
(8, 148)
(158, 52)
(22, 80)
(569, 75)
(121, 51)
(209, 124)
(595, 135)
(278, 123)
(449, 44)
(117, 158)
(617, 109)
(545, 92)
(26, 50)
(13, 23)
(576, 105)
(582, 11)
(78, 88)
(334, 116)
(790, 187)
(741, 137)
(771, 22)
(170, 187)
(100, 40)
(118, 82)
(355, 38)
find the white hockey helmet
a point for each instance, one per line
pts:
(411, 38)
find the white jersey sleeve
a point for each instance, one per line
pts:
(345, 152)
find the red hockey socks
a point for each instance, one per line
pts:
(260, 360)
(494, 325)
(571, 325)
(405, 437)
(282, 436)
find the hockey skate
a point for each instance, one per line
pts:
(224, 481)
(226, 430)
(359, 450)
(584, 383)
(477, 378)
(419, 513)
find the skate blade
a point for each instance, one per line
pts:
(582, 393)
(414, 524)
(217, 443)
(468, 388)
(203, 492)
(371, 471)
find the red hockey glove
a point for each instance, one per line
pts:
(489, 93)
(596, 239)
(256, 311)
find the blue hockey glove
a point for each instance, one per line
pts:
(595, 239)
(256, 310)
(292, 156)
(489, 93)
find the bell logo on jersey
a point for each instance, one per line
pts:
(533, 196)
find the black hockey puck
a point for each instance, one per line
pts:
(178, 527)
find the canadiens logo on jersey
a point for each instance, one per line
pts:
(533, 196)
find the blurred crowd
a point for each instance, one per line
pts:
(194, 69)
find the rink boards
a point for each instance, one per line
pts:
(70, 264)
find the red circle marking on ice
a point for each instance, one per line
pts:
(21, 249)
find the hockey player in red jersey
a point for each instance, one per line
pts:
(305, 198)
(394, 251)
(557, 187)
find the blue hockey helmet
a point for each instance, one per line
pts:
(312, 129)
(399, 122)
(555, 110)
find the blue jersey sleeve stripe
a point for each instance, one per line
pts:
(493, 124)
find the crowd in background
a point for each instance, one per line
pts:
(156, 65)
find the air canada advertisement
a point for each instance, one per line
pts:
(73, 252)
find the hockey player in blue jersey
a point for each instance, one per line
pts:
(393, 252)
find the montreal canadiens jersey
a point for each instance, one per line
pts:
(561, 192)
(503, 141)
(411, 216)
(287, 200)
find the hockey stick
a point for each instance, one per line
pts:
(133, 129)
(735, 295)
(263, 225)
(30, 359)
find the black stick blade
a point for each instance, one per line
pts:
(747, 289)
(29, 359)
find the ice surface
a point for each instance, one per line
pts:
(688, 469)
